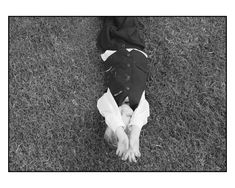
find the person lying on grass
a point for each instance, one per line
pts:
(123, 106)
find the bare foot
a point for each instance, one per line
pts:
(123, 141)
(133, 150)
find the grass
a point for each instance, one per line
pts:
(56, 78)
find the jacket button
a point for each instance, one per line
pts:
(128, 77)
(127, 88)
(128, 54)
(128, 65)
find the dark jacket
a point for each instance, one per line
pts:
(119, 31)
(126, 72)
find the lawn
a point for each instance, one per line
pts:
(56, 78)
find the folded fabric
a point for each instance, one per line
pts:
(108, 108)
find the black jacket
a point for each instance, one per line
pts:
(119, 31)
(126, 72)
(126, 75)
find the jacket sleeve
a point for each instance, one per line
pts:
(141, 113)
(110, 111)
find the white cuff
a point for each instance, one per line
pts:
(108, 108)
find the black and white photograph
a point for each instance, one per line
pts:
(117, 93)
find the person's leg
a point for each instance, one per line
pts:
(118, 139)
(123, 142)
(133, 151)
(110, 137)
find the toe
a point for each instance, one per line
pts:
(129, 157)
(137, 154)
(133, 158)
(120, 153)
(117, 152)
(125, 156)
